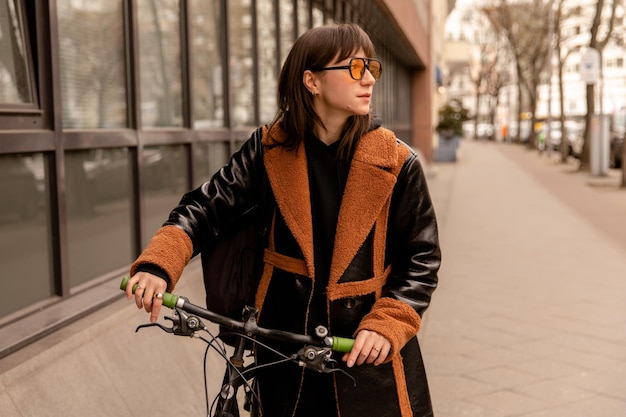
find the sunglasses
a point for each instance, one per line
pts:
(357, 67)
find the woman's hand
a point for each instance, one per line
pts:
(369, 347)
(148, 286)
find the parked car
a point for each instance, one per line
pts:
(556, 135)
(524, 133)
(616, 153)
(618, 130)
(484, 130)
(574, 132)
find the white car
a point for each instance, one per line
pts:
(484, 130)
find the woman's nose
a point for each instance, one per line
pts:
(367, 78)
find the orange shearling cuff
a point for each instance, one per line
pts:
(394, 320)
(170, 249)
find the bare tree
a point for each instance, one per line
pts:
(481, 69)
(485, 65)
(526, 29)
(564, 48)
(497, 77)
(500, 18)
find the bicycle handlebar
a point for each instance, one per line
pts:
(169, 300)
(337, 344)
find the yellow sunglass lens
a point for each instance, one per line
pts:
(375, 69)
(357, 67)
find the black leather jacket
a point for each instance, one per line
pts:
(411, 260)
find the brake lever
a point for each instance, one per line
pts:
(317, 358)
(333, 370)
(182, 324)
(159, 325)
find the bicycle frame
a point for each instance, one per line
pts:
(315, 353)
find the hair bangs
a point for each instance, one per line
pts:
(336, 43)
(349, 39)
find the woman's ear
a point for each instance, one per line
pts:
(310, 81)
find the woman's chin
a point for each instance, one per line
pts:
(362, 112)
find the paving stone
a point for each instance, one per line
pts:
(532, 275)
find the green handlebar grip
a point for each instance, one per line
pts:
(124, 283)
(169, 300)
(342, 344)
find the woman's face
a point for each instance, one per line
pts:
(338, 95)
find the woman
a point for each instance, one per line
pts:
(352, 242)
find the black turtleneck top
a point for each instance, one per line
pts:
(327, 181)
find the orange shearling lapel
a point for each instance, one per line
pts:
(369, 186)
(289, 179)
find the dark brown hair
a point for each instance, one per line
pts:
(316, 48)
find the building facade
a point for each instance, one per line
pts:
(111, 109)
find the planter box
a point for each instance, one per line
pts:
(446, 151)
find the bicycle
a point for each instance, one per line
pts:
(243, 335)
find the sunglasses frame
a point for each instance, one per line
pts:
(366, 66)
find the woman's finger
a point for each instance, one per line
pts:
(369, 347)
(139, 292)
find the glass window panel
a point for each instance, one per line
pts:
(14, 66)
(286, 28)
(318, 16)
(339, 12)
(208, 63)
(347, 12)
(209, 158)
(25, 261)
(99, 205)
(303, 16)
(164, 179)
(268, 71)
(160, 63)
(379, 97)
(329, 6)
(91, 54)
(403, 92)
(241, 63)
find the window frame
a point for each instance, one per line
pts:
(33, 107)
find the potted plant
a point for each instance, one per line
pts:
(450, 129)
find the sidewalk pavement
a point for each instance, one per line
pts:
(530, 315)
